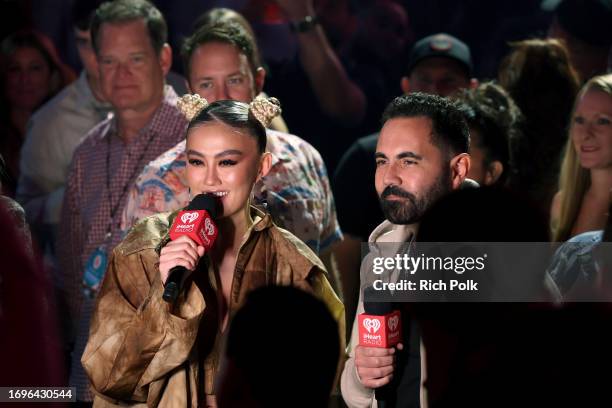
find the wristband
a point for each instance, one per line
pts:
(304, 25)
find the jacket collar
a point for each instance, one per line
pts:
(389, 232)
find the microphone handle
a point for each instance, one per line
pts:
(174, 283)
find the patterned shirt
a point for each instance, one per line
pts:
(86, 212)
(295, 192)
(574, 267)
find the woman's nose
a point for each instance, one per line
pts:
(212, 177)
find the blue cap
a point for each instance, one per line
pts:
(441, 45)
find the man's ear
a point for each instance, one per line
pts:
(460, 166)
(405, 85)
(165, 58)
(264, 165)
(494, 170)
(260, 77)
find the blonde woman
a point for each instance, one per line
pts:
(582, 202)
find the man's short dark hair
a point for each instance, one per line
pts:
(119, 11)
(226, 32)
(450, 131)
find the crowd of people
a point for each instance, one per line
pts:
(317, 126)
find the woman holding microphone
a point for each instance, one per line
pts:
(143, 350)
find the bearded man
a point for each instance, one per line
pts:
(421, 155)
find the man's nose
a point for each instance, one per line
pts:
(221, 93)
(123, 70)
(391, 176)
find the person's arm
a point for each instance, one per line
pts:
(136, 338)
(337, 94)
(348, 257)
(354, 393)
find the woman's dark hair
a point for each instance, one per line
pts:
(61, 75)
(235, 114)
(539, 76)
(28, 39)
(490, 110)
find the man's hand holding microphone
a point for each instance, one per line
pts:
(380, 336)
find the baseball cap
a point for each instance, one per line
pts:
(441, 45)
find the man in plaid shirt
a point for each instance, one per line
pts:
(129, 38)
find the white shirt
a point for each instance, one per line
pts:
(54, 132)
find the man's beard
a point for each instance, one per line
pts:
(411, 209)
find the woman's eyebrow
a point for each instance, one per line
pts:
(194, 153)
(229, 152)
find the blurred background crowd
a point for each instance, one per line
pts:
(533, 77)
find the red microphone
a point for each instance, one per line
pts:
(197, 222)
(380, 326)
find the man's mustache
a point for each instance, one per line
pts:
(396, 191)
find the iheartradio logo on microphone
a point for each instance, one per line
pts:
(197, 225)
(189, 217)
(380, 331)
(209, 232)
(371, 325)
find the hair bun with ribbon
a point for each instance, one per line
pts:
(191, 104)
(265, 109)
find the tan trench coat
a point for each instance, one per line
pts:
(143, 352)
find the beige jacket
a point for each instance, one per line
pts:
(143, 352)
(354, 393)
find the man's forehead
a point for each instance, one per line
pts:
(137, 30)
(438, 65)
(133, 24)
(405, 133)
(212, 53)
